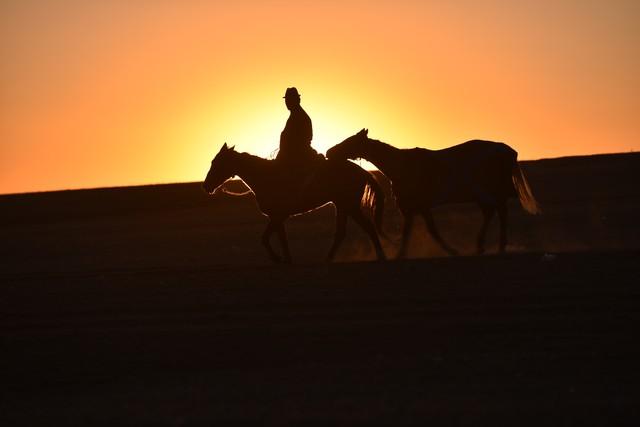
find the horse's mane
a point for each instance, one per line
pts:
(377, 141)
(381, 143)
(253, 158)
(406, 154)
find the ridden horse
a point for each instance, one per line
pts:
(344, 183)
(483, 172)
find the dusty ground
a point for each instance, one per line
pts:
(157, 306)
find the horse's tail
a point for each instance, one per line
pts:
(373, 199)
(521, 185)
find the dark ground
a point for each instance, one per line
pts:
(157, 306)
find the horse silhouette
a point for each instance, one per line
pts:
(483, 172)
(349, 187)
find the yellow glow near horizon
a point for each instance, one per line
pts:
(121, 93)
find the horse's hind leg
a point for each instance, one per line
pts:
(368, 228)
(341, 225)
(502, 216)
(431, 226)
(266, 241)
(487, 215)
(282, 235)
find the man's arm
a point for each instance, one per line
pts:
(307, 130)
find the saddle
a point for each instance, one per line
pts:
(298, 172)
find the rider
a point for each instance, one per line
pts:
(295, 151)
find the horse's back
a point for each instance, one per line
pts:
(473, 170)
(475, 150)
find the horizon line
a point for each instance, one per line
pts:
(152, 184)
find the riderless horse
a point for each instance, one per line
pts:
(483, 172)
(349, 187)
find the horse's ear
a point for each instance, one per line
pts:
(232, 148)
(366, 132)
(224, 147)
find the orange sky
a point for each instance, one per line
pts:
(115, 92)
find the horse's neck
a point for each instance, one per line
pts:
(252, 170)
(386, 157)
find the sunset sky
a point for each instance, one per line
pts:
(123, 92)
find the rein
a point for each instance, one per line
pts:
(221, 189)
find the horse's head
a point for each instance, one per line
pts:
(222, 168)
(350, 148)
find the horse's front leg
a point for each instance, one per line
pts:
(368, 228)
(431, 227)
(266, 241)
(282, 235)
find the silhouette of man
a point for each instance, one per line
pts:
(295, 151)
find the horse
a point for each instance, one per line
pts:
(483, 172)
(345, 184)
